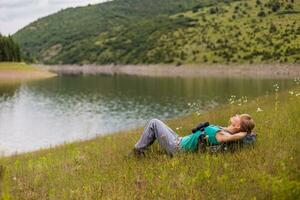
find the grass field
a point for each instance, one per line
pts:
(100, 169)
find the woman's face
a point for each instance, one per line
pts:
(235, 122)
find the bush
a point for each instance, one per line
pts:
(178, 63)
(261, 13)
(274, 5)
(258, 2)
(195, 10)
(272, 28)
(289, 7)
(213, 10)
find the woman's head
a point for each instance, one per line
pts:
(242, 123)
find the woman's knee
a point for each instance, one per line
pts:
(155, 121)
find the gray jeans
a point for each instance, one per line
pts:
(166, 137)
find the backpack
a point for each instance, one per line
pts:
(248, 141)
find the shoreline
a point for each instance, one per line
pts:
(12, 75)
(19, 72)
(282, 71)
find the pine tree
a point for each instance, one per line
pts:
(9, 50)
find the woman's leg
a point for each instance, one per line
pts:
(166, 137)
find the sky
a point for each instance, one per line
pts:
(15, 14)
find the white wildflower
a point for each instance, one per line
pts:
(297, 80)
(276, 87)
(232, 99)
(245, 99)
(259, 110)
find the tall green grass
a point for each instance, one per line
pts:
(100, 169)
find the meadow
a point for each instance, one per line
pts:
(101, 169)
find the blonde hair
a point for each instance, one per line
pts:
(247, 123)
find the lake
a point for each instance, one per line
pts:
(66, 108)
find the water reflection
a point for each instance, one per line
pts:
(53, 111)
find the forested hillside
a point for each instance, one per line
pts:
(168, 31)
(9, 50)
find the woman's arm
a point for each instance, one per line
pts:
(223, 136)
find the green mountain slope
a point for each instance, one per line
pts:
(167, 31)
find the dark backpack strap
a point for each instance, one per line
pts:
(202, 143)
(200, 127)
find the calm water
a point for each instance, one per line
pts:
(49, 112)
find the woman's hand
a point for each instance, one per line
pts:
(223, 136)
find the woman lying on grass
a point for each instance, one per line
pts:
(240, 126)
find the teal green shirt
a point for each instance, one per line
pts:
(190, 142)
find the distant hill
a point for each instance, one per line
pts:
(167, 31)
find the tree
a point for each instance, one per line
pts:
(9, 50)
